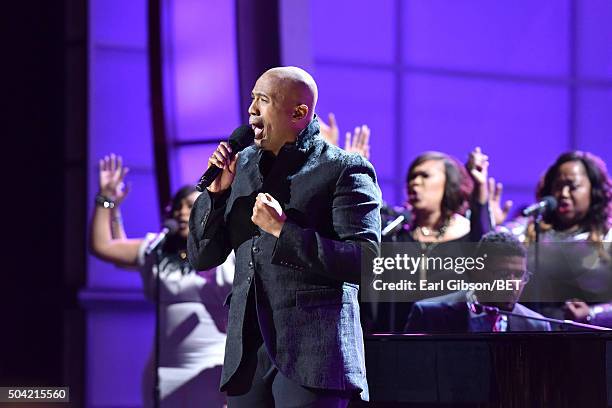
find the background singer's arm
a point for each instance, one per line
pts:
(480, 218)
(107, 238)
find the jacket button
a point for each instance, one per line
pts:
(250, 264)
(249, 279)
(255, 250)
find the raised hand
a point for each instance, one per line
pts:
(498, 212)
(111, 177)
(359, 141)
(222, 158)
(478, 166)
(330, 132)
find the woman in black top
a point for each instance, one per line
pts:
(447, 205)
(440, 193)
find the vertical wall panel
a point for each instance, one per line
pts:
(518, 37)
(118, 337)
(201, 47)
(120, 114)
(120, 119)
(520, 126)
(119, 22)
(122, 343)
(595, 36)
(201, 76)
(353, 30)
(361, 96)
(192, 161)
(595, 122)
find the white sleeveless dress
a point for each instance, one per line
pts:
(193, 323)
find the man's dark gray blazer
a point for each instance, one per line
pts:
(305, 283)
(450, 314)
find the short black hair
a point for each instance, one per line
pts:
(499, 243)
(175, 243)
(175, 202)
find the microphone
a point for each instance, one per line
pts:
(241, 138)
(171, 226)
(480, 308)
(548, 203)
(398, 216)
(492, 310)
(393, 225)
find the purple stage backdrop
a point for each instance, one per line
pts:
(524, 80)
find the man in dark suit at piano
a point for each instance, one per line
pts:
(472, 311)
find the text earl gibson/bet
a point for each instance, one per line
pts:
(450, 285)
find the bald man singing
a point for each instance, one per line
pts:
(299, 214)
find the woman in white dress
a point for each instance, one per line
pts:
(192, 317)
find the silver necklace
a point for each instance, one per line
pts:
(426, 231)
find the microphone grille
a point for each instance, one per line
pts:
(172, 225)
(241, 138)
(551, 203)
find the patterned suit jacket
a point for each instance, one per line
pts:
(450, 314)
(304, 284)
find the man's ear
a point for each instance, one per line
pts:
(300, 112)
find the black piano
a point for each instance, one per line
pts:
(556, 369)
